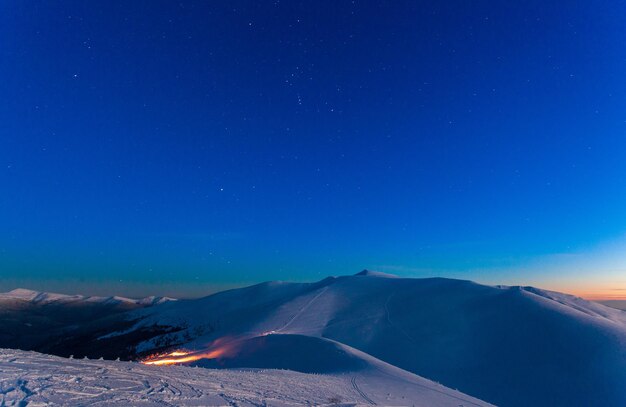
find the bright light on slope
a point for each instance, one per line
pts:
(220, 347)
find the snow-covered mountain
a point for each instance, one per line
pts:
(36, 379)
(510, 346)
(514, 346)
(41, 298)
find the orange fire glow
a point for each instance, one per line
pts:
(178, 357)
(178, 353)
(219, 348)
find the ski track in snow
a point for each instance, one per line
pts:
(361, 393)
(388, 314)
(304, 308)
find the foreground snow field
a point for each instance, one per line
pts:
(34, 379)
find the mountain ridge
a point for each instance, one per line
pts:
(504, 345)
(43, 297)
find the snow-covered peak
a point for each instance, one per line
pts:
(154, 300)
(37, 297)
(21, 294)
(371, 273)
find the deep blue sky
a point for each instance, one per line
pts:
(179, 147)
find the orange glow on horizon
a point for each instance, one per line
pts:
(591, 292)
(601, 297)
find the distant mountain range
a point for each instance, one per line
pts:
(510, 346)
(59, 323)
(41, 298)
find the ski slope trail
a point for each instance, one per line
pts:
(306, 306)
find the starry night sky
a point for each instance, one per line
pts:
(153, 147)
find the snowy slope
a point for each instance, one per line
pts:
(514, 346)
(618, 304)
(28, 378)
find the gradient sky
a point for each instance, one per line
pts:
(153, 147)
